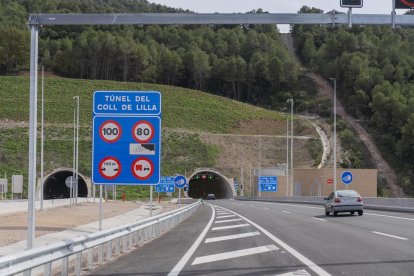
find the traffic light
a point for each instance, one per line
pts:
(351, 3)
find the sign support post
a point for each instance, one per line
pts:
(151, 201)
(100, 207)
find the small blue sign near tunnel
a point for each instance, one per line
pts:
(346, 177)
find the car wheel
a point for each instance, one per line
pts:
(335, 213)
(326, 213)
(360, 212)
(352, 213)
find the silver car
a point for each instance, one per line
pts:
(344, 201)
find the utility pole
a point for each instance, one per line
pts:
(334, 80)
(287, 156)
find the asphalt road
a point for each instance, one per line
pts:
(259, 238)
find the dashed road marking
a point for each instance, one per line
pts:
(319, 219)
(286, 212)
(387, 216)
(234, 254)
(232, 237)
(230, 226)
(388, 235)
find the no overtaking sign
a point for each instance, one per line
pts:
(126, 137)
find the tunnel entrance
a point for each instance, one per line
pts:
(207, 182)
(57, 185)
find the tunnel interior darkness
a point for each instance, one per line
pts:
(55, 186)
(204, 183)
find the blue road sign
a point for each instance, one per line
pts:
(180, 181)
(346, 177)
(142, 103)
(268, 183)
(236, 184)
(166, 185)
(126, 144)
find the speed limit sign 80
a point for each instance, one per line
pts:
(143, 131)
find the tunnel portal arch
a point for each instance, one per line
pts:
(54, 185)
(206, 181)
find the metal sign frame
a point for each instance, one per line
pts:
(38, 20)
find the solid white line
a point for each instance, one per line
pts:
(230, 227)
(227, 216)
(266, 208)
(388, 235)
(232, 237)
(286, 212)
(181, 263)
(311, 265)
(386, 216)
(319, 219)
(227, 220)
(295, 273)
(234, 254)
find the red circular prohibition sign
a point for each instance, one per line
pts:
(408, 3)
(144, 140)
(118, 171)
(140, 167)
(110, 122)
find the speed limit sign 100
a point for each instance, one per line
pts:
(110, 131)
(143, 131)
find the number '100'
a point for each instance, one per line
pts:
(110, 131)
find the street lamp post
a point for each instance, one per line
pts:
(287, 156)
(334, 80)
(291, 146)
(76, 151)
(42, 138)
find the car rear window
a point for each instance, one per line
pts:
(347, 193)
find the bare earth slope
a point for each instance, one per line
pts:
(325, 89)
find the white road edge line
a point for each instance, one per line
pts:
(227, 220)
(181, 263)
(234, 254)
(295, 273)
(230, 226)
(319, 219)
(388, 235)
(227, 216)
(232, 237)
(311, 265)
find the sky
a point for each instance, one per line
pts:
(274, 6)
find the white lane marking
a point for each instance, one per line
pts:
(181, 263)
(227, 216)
(301, 272)
(234, 254)
(286, 212)
(266, 208)
(230, 226)
(387, 216)
(319, 219)
(232, 237)
(301, 206)
(388, 235)
(311, 265)
(227, 220)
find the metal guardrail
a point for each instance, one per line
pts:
(113, 242)
(375, 203)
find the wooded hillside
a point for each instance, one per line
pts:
(374, 67)
(247, 64)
